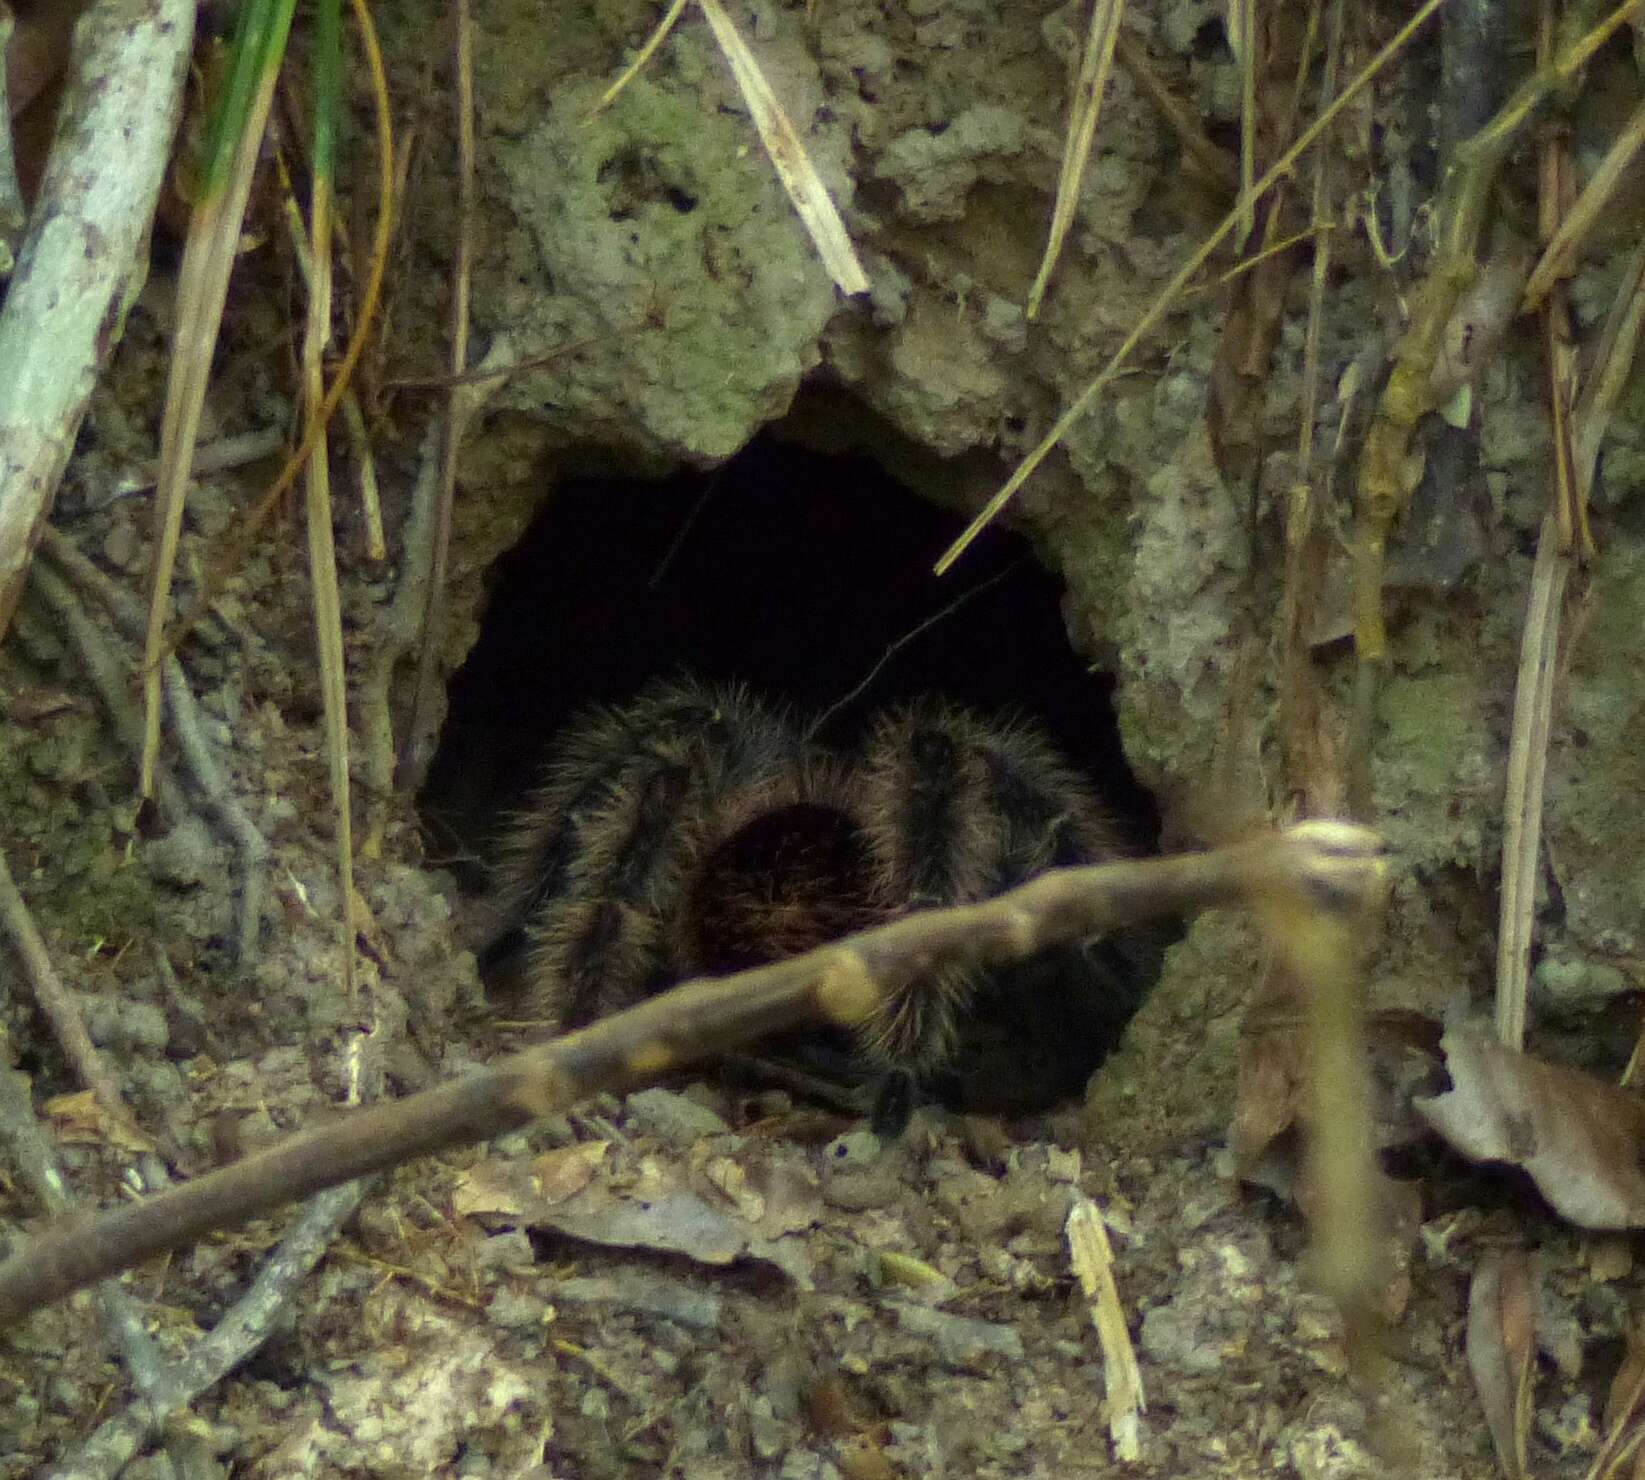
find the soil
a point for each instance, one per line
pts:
(702, 1280)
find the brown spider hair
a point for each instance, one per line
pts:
(696, 830)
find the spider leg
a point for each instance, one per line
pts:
(959, 808)
(927, 801)
(595, 866)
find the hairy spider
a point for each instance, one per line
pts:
(698, 830)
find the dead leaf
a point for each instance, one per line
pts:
(512, 1188)
(1580, 1139)
(728, 1177)
(80, 1120)
(1501, 1343)
(565, 1171)
(1272, 1083)
(497, 1188)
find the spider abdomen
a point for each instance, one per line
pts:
(787, 881)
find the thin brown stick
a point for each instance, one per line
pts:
(109, 674)
(36, 1159)
(418, 749)
(398, 627)
(1183, 121)
(256, 1316)
(1317, 867)
(59, 1007)
(189, 731)
(13, 213)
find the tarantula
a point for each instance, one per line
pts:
(699, 830)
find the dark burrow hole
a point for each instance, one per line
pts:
(806, 576)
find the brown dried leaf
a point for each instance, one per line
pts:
(518, 1189)
(729, 1179)
(1272, 1085)
(79, 1119)
(654, 1210)
(1579, 1138)
(565, 1171)
(497, 1188)
(1501, 1343)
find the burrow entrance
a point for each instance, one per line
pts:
(805, 575)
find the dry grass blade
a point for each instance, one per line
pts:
(1243, 42)
(1527, 766)
(202, 287)
(322, 553)
(1173, 290)
(1580, 426)
(670, 19)
(1613, 366)
(422, 729)
(1097, 63)
(365, 318)
(1594, 202)
(1539, 644)
(1093, 1260)
(788, 157)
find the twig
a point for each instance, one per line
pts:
(59, 1007)
(220, 456)
(1184, 122)
(365, 463)
(36, 1160)
(208, 773)
(418, 748)
(185, 718)
(254, 1318)
(109, 676)
(1315, 869)
(13, 214)
(82, 259)
(400, 625)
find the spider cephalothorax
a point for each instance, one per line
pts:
(697, 830)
